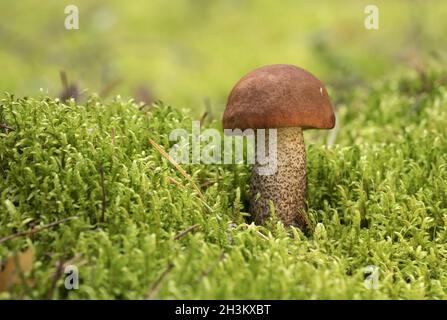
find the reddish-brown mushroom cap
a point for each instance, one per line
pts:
(279, 96)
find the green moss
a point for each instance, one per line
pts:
(377, 197)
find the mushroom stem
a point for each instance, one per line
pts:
(287, 187)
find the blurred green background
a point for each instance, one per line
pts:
(189, 53)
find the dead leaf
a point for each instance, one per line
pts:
(16, 265)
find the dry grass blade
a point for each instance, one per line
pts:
(173, 181)
(263, 236)
(259, 233)
(174, 163)
(113, 136)
(180, 169)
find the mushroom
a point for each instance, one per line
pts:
(289, 99)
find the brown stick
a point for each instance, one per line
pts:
(153, 290)
(211, 268)
(103, 190)
(56, 276)
(156, 284)
(35, 230)
(185, 232)
(202, 119)
(64, 79)
(4, 126)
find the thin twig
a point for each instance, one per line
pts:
(185, 232)
(202, 119)
(180, 169)
(64, 80)
(208, 110)
(113, 135)
(109, 87)
(206, 184)
(35, 230)
(211, 268)
(4, 126)
(156, 284)
(56, 276)
(69, 90)
(103, 191)
(144, 105)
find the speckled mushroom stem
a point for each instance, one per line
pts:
(287, 187)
